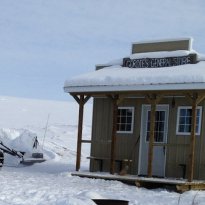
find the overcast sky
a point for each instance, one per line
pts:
(44, 42)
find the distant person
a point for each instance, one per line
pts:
(36, 143)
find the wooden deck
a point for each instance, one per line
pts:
(179, 185)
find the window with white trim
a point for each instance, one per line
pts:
(125, 119)
(184, 118)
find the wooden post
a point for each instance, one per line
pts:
(193, 138)
(151, 138)
(114, 130)
(80, 130)
(81, 101)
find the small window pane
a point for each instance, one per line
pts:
(157, 115)
(148, 126)
(161, 126)
(122, 127)
(123, 112)
(182, 120)
(187, 128)
(129, 120)
(148, 117)
(162, 116)
(128, 127)
(197, 120)
(188, 120)
(159, 137)
(183, 112)
(189, 113)
(123, 119)
(129, 112)
(181, 128)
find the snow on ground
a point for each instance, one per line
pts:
(51, 182)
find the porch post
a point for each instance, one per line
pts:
(114, 130)
(193, 138)
(81, 101)
(151, 138)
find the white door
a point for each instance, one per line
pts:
(161, 127)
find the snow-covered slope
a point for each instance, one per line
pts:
(21, 112)
(51, 182)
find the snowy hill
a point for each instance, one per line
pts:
(21, 112)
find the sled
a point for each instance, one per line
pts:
(35, 157)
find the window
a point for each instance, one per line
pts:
(159, 133)
(184, 117)
(125, 118)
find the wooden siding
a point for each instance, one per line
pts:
(101, 131)
(177, 148)
(161, 46)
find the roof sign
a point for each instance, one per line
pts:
(159, 62)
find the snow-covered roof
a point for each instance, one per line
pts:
(161, 54)
(118, 78)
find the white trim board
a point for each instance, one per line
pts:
(148, 87)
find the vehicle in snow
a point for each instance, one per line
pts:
(36, 157)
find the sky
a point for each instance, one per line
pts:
(45, 42)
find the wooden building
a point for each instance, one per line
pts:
(148, 111)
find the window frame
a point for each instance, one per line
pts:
(132, 119)
(178, 116)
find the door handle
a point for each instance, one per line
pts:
(164, 149)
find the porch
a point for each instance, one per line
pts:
(179, 185)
